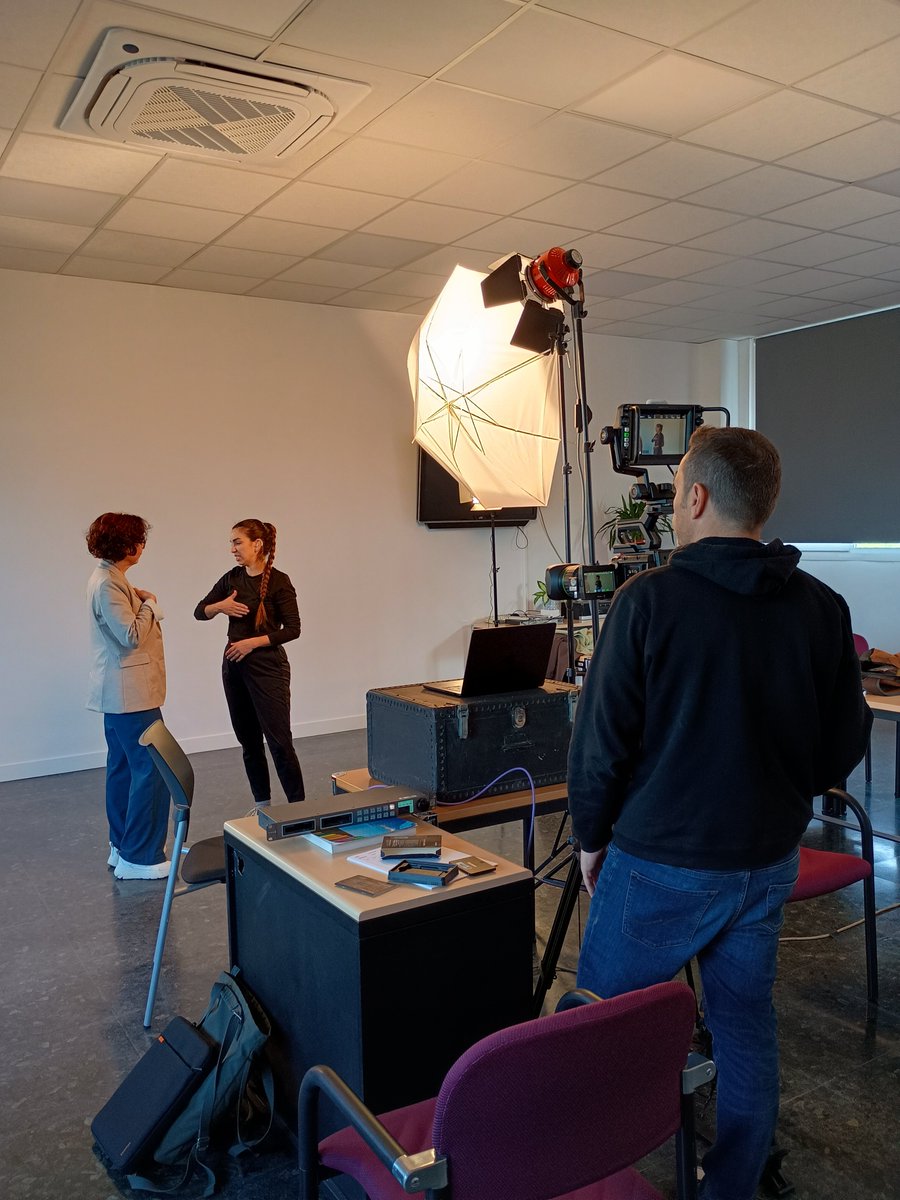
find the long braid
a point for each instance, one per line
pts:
(269, 551)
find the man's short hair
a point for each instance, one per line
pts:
(740, 469)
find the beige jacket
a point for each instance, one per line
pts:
(128, 672)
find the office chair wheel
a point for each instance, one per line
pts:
(773, 1180)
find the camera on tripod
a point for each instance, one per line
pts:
(574, 582)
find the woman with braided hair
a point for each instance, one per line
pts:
(261, 606)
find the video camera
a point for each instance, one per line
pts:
(569, 581)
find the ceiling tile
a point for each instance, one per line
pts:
(750, 237)
(673, 169)
(41, 235)
(442, 262)
(607, 250)
(664, 21)
(674, 222)
(17, 85)
(493, 187)
(801, 36)
(792, 306)
(743, 272)
(383, 167)
(308, 293)
(368, 250)
(407, 283)
(675, 261)
(590, 206)
(15, 258)
(409, 35)
(91, 165)
(617, 283)
(840, 207)
(279, 237)
(779, 125)
(263, 17)
(883, 229)
(205, 186)
(675, 292)
(31, 32)
(440, 116)
(813, 251)
(419, 307)
(762, 190)
(852, 156)
(371, 300)
(230, 260)
(496, 66)
(208, 281)
(107, 268)
(799, 282)
(871, 80)
(674, 93)
(620, 310)
(45, 202)
(428, 222)
(170, 220)
(874, 262)
(133, 247)
(320, 272)
(315, 204)
(628, 329)
(863, 291)
(518, 235)
(573, 147)
(889, 183)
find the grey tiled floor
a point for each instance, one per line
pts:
(76, 947)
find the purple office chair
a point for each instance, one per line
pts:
(826, 871)
(559, 1107)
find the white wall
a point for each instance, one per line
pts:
(196, 410)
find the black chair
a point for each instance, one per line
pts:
(198, 867)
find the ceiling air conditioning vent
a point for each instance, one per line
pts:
(149, 91)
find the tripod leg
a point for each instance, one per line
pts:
(567, 901)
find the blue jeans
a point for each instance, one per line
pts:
(137, 800)
(646, 921)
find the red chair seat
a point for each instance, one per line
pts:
(823, 871)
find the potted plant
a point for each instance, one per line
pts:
(627, 510)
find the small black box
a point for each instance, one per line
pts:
(131, 1123)
(451, 748)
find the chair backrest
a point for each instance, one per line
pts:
(860, 645)
(547, 1107)
(173, 764)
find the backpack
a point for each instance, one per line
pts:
(233, 1108)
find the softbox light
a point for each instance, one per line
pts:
(486, 410)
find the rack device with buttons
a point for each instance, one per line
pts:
(309, 816)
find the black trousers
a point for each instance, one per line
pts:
(258, 692)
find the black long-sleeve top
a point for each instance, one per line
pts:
(282, 615)
(723, 695)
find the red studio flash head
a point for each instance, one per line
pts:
(562, 267)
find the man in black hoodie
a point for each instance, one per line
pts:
(723, 695)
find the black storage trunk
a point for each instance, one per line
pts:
(451, 748)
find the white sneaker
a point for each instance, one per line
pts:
(113, 860)
(127, 870)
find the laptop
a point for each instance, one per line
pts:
(502, 658)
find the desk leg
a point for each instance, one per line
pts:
(897, 762)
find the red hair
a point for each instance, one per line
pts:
(265, 532)
(114, 535)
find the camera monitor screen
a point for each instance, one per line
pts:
(599, 582)
(662, 438)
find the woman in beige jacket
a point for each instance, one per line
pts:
(128, 685)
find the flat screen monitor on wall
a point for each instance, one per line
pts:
(829, 398)
(439, 505)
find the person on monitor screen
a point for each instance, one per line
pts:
(724, 694)
(658, 440)
(128, 685)
(261, 606)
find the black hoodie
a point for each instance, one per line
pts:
(723, 695)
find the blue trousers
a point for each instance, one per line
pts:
(646, 921)
(137, 800)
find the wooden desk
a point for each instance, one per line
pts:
(388, 990)
(887, 708)
(476, 814)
